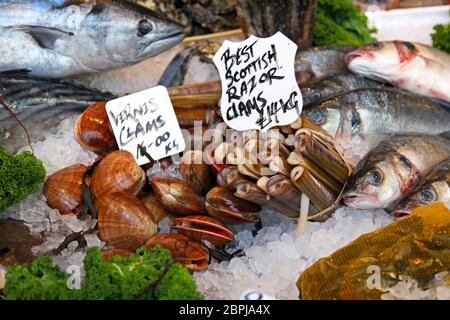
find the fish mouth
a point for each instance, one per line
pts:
(162, 44)
(353, 199)
(398, 213)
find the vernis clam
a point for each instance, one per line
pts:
(117, 172)
(155, 208)
(63, 189)
(203, 228)
(222, 204)
(186, 251)
(93, 130)
(176, 196)
(123, 221)
(195, 172)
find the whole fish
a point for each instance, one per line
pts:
(317, 62)
(40, 105)
(435, 188)
(310, 64)
(322, 88)
(55, 39)
(361, 118)
(393, 168)
(415, 67)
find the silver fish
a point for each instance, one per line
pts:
(318, 62)
(435, 188)
(331, 85)
(362, 118)
(393, 168)
(40, 105)
(412, 66)
(55, 39)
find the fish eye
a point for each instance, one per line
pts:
(427, 195)
(374, 45)
(374, 177)
(318, 117)
(317, 95)
(144, 27)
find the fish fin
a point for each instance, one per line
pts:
(45, 37)
(13, 72)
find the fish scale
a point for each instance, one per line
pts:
(57, 39)
(366, 116)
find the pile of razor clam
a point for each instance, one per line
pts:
(384, 107)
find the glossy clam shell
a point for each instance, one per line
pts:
(154, 207)
(117, 172)
(63, 189)
(222, 204)
(93, 130)
(176, 196)
(186, 251)
(124, 222)
(195, 172)
(203, 228)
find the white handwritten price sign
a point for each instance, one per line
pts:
(146, 119)
(259, 89)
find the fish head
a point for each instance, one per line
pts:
(380, 60)
(436, 191)
(122, 33)
(374, 184)
(327, 115)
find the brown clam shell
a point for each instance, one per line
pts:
(154, 207)
(186, 251)
(222, 204)
(63, 189)
(176, 196)
(124, 222)
(203, 228)
(117, 172)
(195, 172)
(93, 130)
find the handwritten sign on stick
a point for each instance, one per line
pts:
(146, 118)
(259, 89)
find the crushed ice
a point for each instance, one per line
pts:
(274, 255)
(57, 151)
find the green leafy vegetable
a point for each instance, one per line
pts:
(19, 175)
(147, 274)
(341, 23)
(39, 281)
(441, 37)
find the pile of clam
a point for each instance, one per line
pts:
(295, 170)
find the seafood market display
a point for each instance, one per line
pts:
(360, 179)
